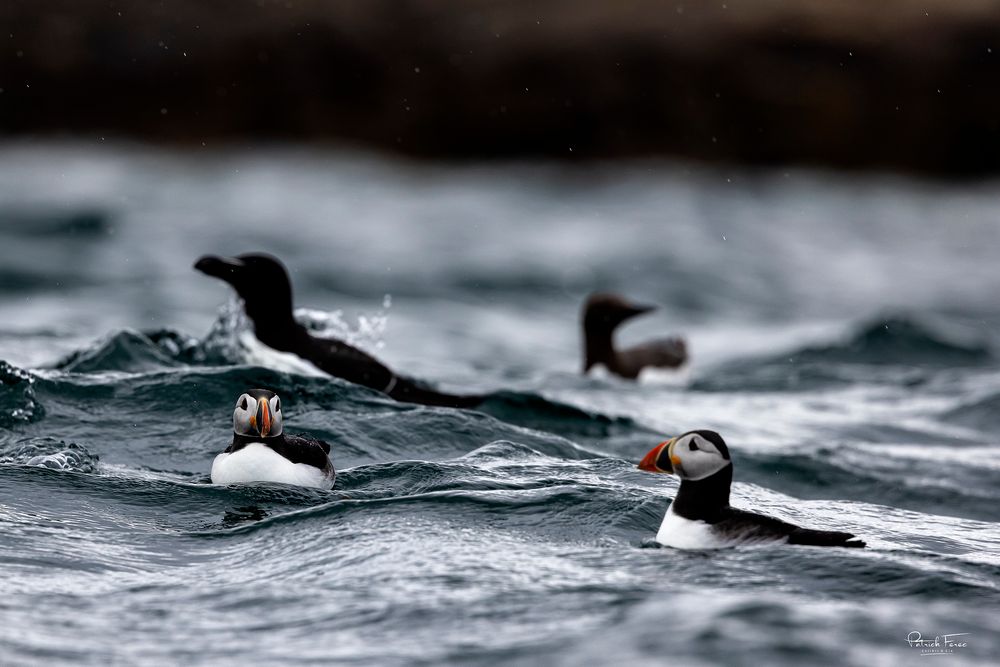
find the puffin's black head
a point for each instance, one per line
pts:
(604, 312)
(260, 279)
(694, 455)
(258, 414)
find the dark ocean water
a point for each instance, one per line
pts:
(844, 334)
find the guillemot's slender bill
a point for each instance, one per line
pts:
(262, 452)
(700, 517)
(262, 282)
(602, 313)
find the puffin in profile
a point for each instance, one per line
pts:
(263, 283)
(602, 313)
(261, 452)
(700, 516)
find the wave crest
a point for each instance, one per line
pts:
(896, 350)
(18, 404)
(49, 453)
(125, 351)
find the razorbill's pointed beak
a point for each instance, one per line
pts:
(219, 267)
(653, 462)
(635, 309)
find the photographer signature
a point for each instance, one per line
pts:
(941, 644)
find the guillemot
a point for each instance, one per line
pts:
(262, 282)
(602, 313)
(262, 452)
(700, 516)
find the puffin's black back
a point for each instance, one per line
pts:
(296, 448)
(750, 524)
(303, 449)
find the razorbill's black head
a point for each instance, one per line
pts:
(262, 452)
(602, 313)
(262, 282)
(700, 516)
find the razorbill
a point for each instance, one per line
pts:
(700, 516)
(602, 313)
(263, 283)
(262, 452)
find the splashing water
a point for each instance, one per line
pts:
(520, 533)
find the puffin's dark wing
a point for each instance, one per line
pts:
(663, 353)
(739, 524)
(304, 449)
(750, 526)
(308, 440)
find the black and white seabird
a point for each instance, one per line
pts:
(263, 283)
(602, 313)
(700, 516)
(262, 452)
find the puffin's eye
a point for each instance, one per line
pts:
(692, 446)
(277, 404)
(243, 403)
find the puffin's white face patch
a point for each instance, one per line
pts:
(245, 416)
(275, 405)
(246, 405)
(698, 457)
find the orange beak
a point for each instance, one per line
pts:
(262, 420)
(650, 461)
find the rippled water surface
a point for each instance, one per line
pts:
(844, 341)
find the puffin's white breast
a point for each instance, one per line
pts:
(681, 533)
(260, 463)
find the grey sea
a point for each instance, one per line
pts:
(844, 340)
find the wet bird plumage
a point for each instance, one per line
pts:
(262, 452)
(263, 283)
(602, 314)
(288, 459)
(700, 516)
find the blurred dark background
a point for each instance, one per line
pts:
(897, 84)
